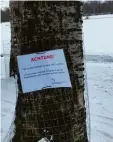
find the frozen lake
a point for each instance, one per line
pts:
(99, 81)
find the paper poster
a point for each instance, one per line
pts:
(43, 70)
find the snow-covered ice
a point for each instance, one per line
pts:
(8, 85)
(98, 33)
(8, 99)
(100, 89)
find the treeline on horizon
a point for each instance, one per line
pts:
(89, 8)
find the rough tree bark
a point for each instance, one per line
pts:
(57, 114)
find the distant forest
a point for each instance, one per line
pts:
(89, 8)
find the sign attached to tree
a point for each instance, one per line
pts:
(43, 70)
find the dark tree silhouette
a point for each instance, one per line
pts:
(89, 8)
(5, 15)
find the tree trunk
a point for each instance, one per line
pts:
(59, 113)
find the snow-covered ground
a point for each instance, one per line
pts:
(98, 33)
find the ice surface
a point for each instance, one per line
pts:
(100, 90)
(98, 35)
(8, 99)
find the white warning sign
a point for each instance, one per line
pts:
(43, 70)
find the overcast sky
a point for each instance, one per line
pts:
(5, 3)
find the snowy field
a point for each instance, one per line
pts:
(98, 34)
